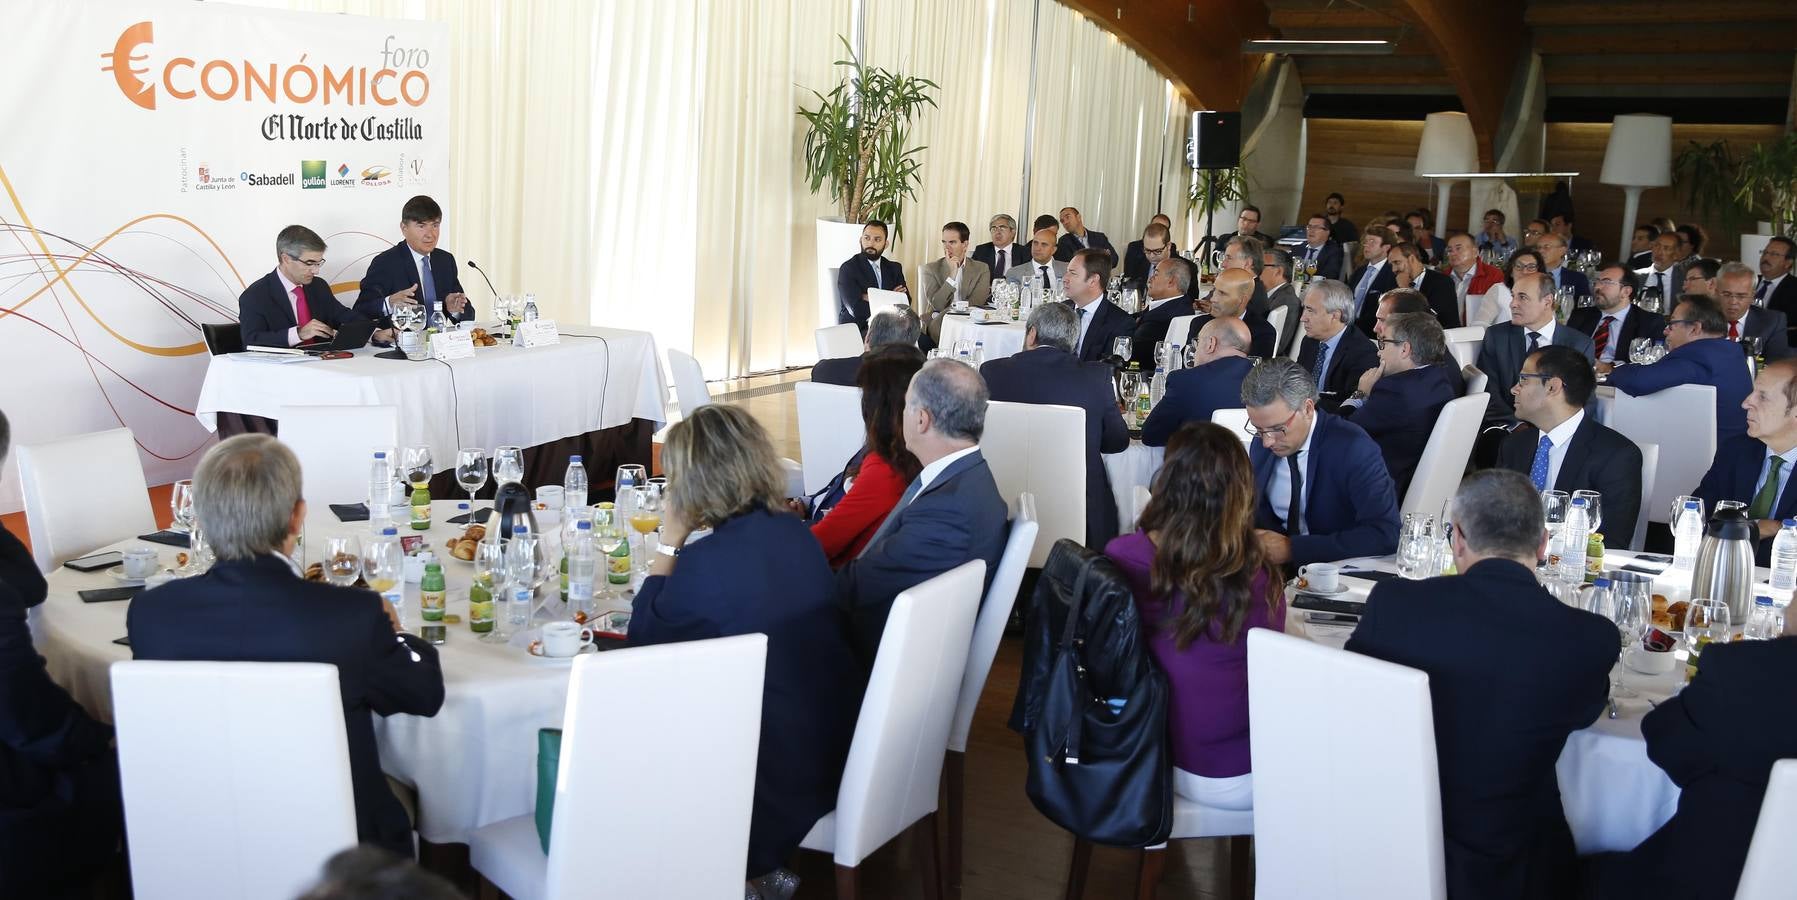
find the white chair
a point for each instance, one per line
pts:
(1297, 343)
(1443, 462)
(228, 794)
(838, 341)
(1276, 318)
(894, 769)
(1179, 330)
(1040, 449)
(1358, 822)
(1236, 420)
(689, 382)
(657, 773)
(1650, 461)
(1350, 253)
(1476, 380)
(82, 493)
(1142, 496)
(1191, 820)
(1771, 867)
(1464, 343)
(335, 446)
(1686, 450)
(830, 429)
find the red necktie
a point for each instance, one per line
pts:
(301, 312)
(1734, 332)
(1602, 338)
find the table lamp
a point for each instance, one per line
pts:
(1448, 146)
(1639, 156)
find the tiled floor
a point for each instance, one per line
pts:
(770, 399)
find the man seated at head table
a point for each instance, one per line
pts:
(890, 326)
(247, 490)
(1229, 299)
(1321, 489)
(1503, 708)
(1169, 297)
(950, 514)
(1559, 447)
(292, 305)
(1219, 363)
(1754, 467)
(1700, 353)
(415, 271)
(1398, 402)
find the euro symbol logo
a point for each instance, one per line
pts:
(124, 56)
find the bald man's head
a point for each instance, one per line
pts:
(1234, 288)
(1221, 338)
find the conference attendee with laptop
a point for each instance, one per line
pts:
(1276, 280)
(1041, 270)
(866, 271)
(851, 507)
(951, 278)
(1560, 447)
(1746, 319)
(415, 271)
(1100, 321)
(1220, 361)
(1168, 293)
(1616, 322)
(1078, 238)
(1530, 328)
(894, 326)
(1320, 486)
(255, 605)
(1334, 354)
(1398, 402)
(1754, 467)
(291, 306)
(1048, 372)
(1003, 251)
(1700, 353)
(1502, 711)
(758, 572)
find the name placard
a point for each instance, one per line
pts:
(536, 334)
(447, 345)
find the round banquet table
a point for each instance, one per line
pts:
(473, 763)
(1000, 339)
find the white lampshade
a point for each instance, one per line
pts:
(1640, 152)
(1448, 145)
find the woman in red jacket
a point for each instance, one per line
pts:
(878, 477)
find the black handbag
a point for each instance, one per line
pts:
(1095, 722)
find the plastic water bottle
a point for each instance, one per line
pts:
(979, 353)
(530, 307)
(1687, 537)
(380, 491)
(1577, 531)
(574, 484)
(520, 579)
(1157, 387)
(1761, 621)
(1784, 564)
(583, 569)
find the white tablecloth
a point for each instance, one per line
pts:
(473, 763)
(503, 395)
(1002, 339)
(1132, 468)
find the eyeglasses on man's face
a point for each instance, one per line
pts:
(308, 263)
(1273, 432)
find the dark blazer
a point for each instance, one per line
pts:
(1261, 336)
(1399, 414)
(1052, 376)
(1717, 740)
(1639, 324)
(1501, 356)
(1435, 252)
(1343, 231)
(1151, 328)
(1735, 475)
(1194, 394)
(1598, 459)
(1286, 295)
(1712, 361)
(1369, 310)
(853, 279)
(265, 310)
(1773, 330)
(1676, 275)
(988, 254)
(841, 370)
(1641, 260)
(1354, 353)
(1351, 509)
(1135, 262)
(1500, 721)
(258, 610)
(1108, 322)
(1571, 277)
(1329, 258)
(763, 572)
(959, 517)
(1438, 289)
(1784, 297)
(392, 271)
(1069, 245)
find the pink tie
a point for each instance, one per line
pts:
(301, 312)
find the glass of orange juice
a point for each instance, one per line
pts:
(645, 518)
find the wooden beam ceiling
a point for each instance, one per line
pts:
(1197, 45)
(1660, 12)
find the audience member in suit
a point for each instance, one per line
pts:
(1473, 278)
(1701, 353)
(1492, 236)
(1276, 280)
(255, 605)
(1168, 291)
(894, 326)
(1561, 224)
(1398, 402)
(1700, 276)
(1201, 581)
(1666, 273)
(1777, 290)
(1245, 253)
(1755, 467)
(1560, 447)
(1532, 232)
(1319, 248)
(60, 817)
(1717, 740)
(1247, 224)
(1048, 372)
(1552, 248)
(1691, 241)
(1003, 251)
(1407, 300)
(1143, 255)
(863, 271)
(1341, 230)
(1099, 319)
(757, 572)
(874, 479)
(1334, 354)
(1219, 363)
(1615, 322)
(1734, 293)
(1504, 833)
(950, 514)
(1321, 489)
(1079, 238)
(1041, 269)
(1229, 300)
(1641, 246)
(1372, 279)
(292, 305)
(1420, 225)
(1531, 327)
(1412, 272)
(953, 277)
(397, 275)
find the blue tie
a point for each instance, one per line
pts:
(427, 285)
(1366, 282)
(1316, 371)
(1538, 469)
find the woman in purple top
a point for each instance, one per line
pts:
(1201, 581)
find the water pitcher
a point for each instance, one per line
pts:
(1725, 562)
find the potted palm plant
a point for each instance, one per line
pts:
(1767, 182)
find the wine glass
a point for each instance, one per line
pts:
(1653, 300)
(1554, 505)
(629, 475)
(342, 560)
(471, 474)
(608, 534)
(1121, 347)
(645, 518)
(488, 587)
(1593, 508)
(1631, 608)
(381, 565)
(1638, 350)
(180, 501)
(1310, 268)
(508, 465)
(1706, 622)
(418, 466)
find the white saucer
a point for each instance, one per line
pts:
(1339, 589)
(534, 649)
(118, 574)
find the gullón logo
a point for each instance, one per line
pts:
(312, 174)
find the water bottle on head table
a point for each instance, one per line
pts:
(380, 489)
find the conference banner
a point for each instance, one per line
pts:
(150, 153)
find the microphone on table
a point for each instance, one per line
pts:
(483, 277)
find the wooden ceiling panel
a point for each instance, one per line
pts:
(1660, 12)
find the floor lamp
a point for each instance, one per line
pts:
(1639, 156)
(1447, 146)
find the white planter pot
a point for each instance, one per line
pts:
(1751, 245)
(837, 241)
(1765, 228)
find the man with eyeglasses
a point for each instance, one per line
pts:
(1245, 253)
(1666, 273)
(1492, 236)
(292, 305)
(1701, 353)
(1533, 231)
(1755, 467)
(1777, 289)
(1334, 354)
(1421, 225)
(1319, 252)
(1321, 491)
(1734, 292)
(1400, 400)
(1530, 328)
(1559, 447)
(1615, 322)
(1143, 255)
(1041, 270)
(1247, 224)
(1003, 251)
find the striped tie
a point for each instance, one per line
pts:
(1601, 340)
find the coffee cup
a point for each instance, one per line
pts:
(564, 639)
(141, 562)
(1324, 577)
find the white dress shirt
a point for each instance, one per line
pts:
(1556, 454)
(1014, 255)
(1546, 331)
(933, 470)
(1279, 484)
(1085, 314)
(1615, 338)
(1662, 280)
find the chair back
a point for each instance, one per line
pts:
(1650, 461)
(222, 338)
(1685, 451)
(228, 794)
(1771, 867)
(1297, 344)
(1179, 330)
(677, 728)
(1475, 378)
(1001, 595)
(690, 391)
(82, 493)
(1138, 502)
(1236, 420)
(1464, 343)
(838, 341)
(895, 762)
(830, 429)
(1362, 821)
(1039, 449)
(1443, 462)
(1350, 253)
(1276, 318)
(335, 446)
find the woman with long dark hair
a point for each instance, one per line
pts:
(876, 478)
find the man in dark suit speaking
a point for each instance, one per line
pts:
(866, 270)
(292, 305)
(415, 271)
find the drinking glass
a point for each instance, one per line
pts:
(1706, 622)
(1638, 350)
(1310, 268)
(1121, 347)
(180, 501)
(608, 534)
(381, 566)
(1653, 300)
(508, 465)
(645, 518)
(1631, 608)
(634, 475)
(1416, 547)
(418, 466)
(342, 560)
(489, 585)
(1554, 505)
(1751, 344)
(471, 474)
(1593, 508)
